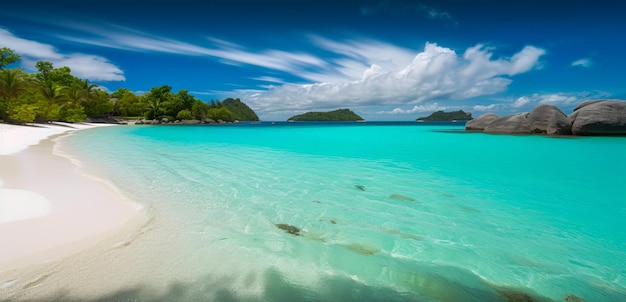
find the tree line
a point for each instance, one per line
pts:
(54, 94)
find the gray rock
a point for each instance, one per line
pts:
(550, 120)
(209, 121)
(599, 118)
(155, 122)
(190, 122)
(585, 103)
(165, 120)
(481, 122)
(511, 124)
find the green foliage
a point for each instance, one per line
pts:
(100, 105)
(240, 110)
(23, 113)
(13, 82)
(447, 116)
(184, 115)
(7, 57)
(200, 109)
(52, 94)
(157, 100)
(119, 93)
(130, 104)
(44, 69)
(72, 113)
(63, 76)
(186, 100)
(221, 113)
(337, 115)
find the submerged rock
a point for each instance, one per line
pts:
(481, 122)
(401, 234)
(573, 298)
(401, 197)
(599, 118)
(362, 249)
(515, 296)
(360, 187)
(289, 229)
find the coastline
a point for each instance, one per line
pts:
(48, 209)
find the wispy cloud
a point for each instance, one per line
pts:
(269, 79)
(88, 66)
(584, 62)
(119, 37)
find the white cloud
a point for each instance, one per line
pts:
(436, 73)
(521, 101)
(484, 108)
(92, 67)
(584, 62)
(416, 109)
(559, 99)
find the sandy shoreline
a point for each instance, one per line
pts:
(47, 209)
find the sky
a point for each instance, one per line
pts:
(384, 59)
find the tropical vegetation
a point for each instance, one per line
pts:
(440, 116)
(54, 94)
(335, 116)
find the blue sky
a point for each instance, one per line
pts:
(384, 59)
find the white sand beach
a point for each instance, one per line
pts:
(47, 209)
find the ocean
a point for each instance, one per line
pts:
(370, 211)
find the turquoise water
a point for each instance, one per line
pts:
(395, 211)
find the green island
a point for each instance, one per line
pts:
(340, 115)
(54, 94)
(441, 116)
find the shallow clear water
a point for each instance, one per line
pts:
(394, 211)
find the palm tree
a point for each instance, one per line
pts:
(153, 104)
(87, 91)
(12, 84)
(53, 94)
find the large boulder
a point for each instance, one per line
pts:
(550, 120)
(585, 103)
(481, 122)
(599, 118)
(511, 124)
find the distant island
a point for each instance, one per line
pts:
(340, 115)
(441, 116)
(240, 111)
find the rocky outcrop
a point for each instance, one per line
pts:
(549, 119)
(599, 118)
(512, 124)
(481, 122)
(190, 122)
(594, 117)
